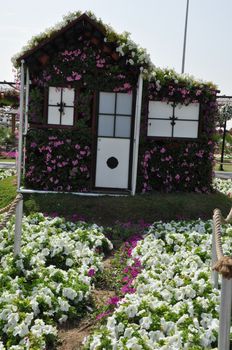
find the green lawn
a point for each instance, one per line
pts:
(226, 167)
(7, 191)
(107, 210)
(7, 160)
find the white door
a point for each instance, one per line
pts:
(114, 140)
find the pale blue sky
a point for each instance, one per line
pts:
(157, 25)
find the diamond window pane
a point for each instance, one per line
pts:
(68, 96)
(187, 112)
(124, 104)
(186, 129)
(54, 95)
(53, 115)
(107, 102)
(67, 116)
(123, 126)
(159, 128)
(106, 125)
(158, 109)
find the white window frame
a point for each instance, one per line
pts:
(60, 107)
(167, 116)
(116, 113)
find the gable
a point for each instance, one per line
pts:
(68, 38)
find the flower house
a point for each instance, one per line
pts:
(98, 117)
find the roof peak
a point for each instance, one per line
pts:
(123, 44)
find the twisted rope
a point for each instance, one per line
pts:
(224, 263)
(3, 210)
(11, 210)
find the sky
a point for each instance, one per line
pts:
(157, 25)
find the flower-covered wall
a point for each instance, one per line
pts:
(173, 164)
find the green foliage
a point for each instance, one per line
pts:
(35, 113)
(224, 114)
(7, 191)
(6, 135)
(9, 97)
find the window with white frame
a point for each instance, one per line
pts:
(61, 106)
(173, 120)
(115, 114)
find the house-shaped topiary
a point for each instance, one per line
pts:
(99, 117)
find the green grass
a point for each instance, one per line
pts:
(226, 167)
(107, 210)
(7, 191)
(7, 160)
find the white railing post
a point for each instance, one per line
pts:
(214, 274)
(21, 125)
(18, 227)
(225, 315)
(137, 132)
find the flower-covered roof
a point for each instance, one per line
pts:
(121, 43)
(167, 76)
(51, 39)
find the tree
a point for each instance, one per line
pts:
(224, 114)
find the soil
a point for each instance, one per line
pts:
(71, 337)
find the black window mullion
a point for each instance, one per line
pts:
(115, 106)
(173, 119)
(61, 103)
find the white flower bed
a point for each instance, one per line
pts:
(174, 306)
(49, 282)
(223, 186)
(4, 173)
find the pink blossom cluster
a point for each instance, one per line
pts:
(11, 154)
(74, 77)
(126, 87)
(56, 171)
(70, 55)
(100, 62)
(177, 167)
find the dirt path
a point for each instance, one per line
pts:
(71, 337)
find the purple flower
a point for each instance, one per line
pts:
(113, 300)
(33, 144)
(91, 272)
(103, 314)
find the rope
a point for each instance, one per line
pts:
(3, 210)
(224, 263)
(11, 210)
(228, 219)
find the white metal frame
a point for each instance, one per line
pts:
(137, 132)
(19, 207)
(83, 194)
(225, 301)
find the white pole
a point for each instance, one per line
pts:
(18, 228)
(214, 274)
(26, 101)
(20, 141)
(225, 315)
(19, 208)
(137, 131)
(185, 37)
(26, 117)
